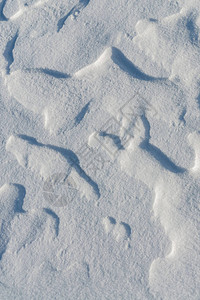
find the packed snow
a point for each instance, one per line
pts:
(100, 149)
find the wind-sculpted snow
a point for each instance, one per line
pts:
(37, 89)
(74, 12)
(48, 160)
(173, 42)
(113, 56)
(99, 149)
(176, 194)
(11, 201)
(13, 9)
(44, 93)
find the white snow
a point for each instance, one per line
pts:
(100, 149)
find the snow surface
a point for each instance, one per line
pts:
(100, 149)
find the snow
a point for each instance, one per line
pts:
(99, 149)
